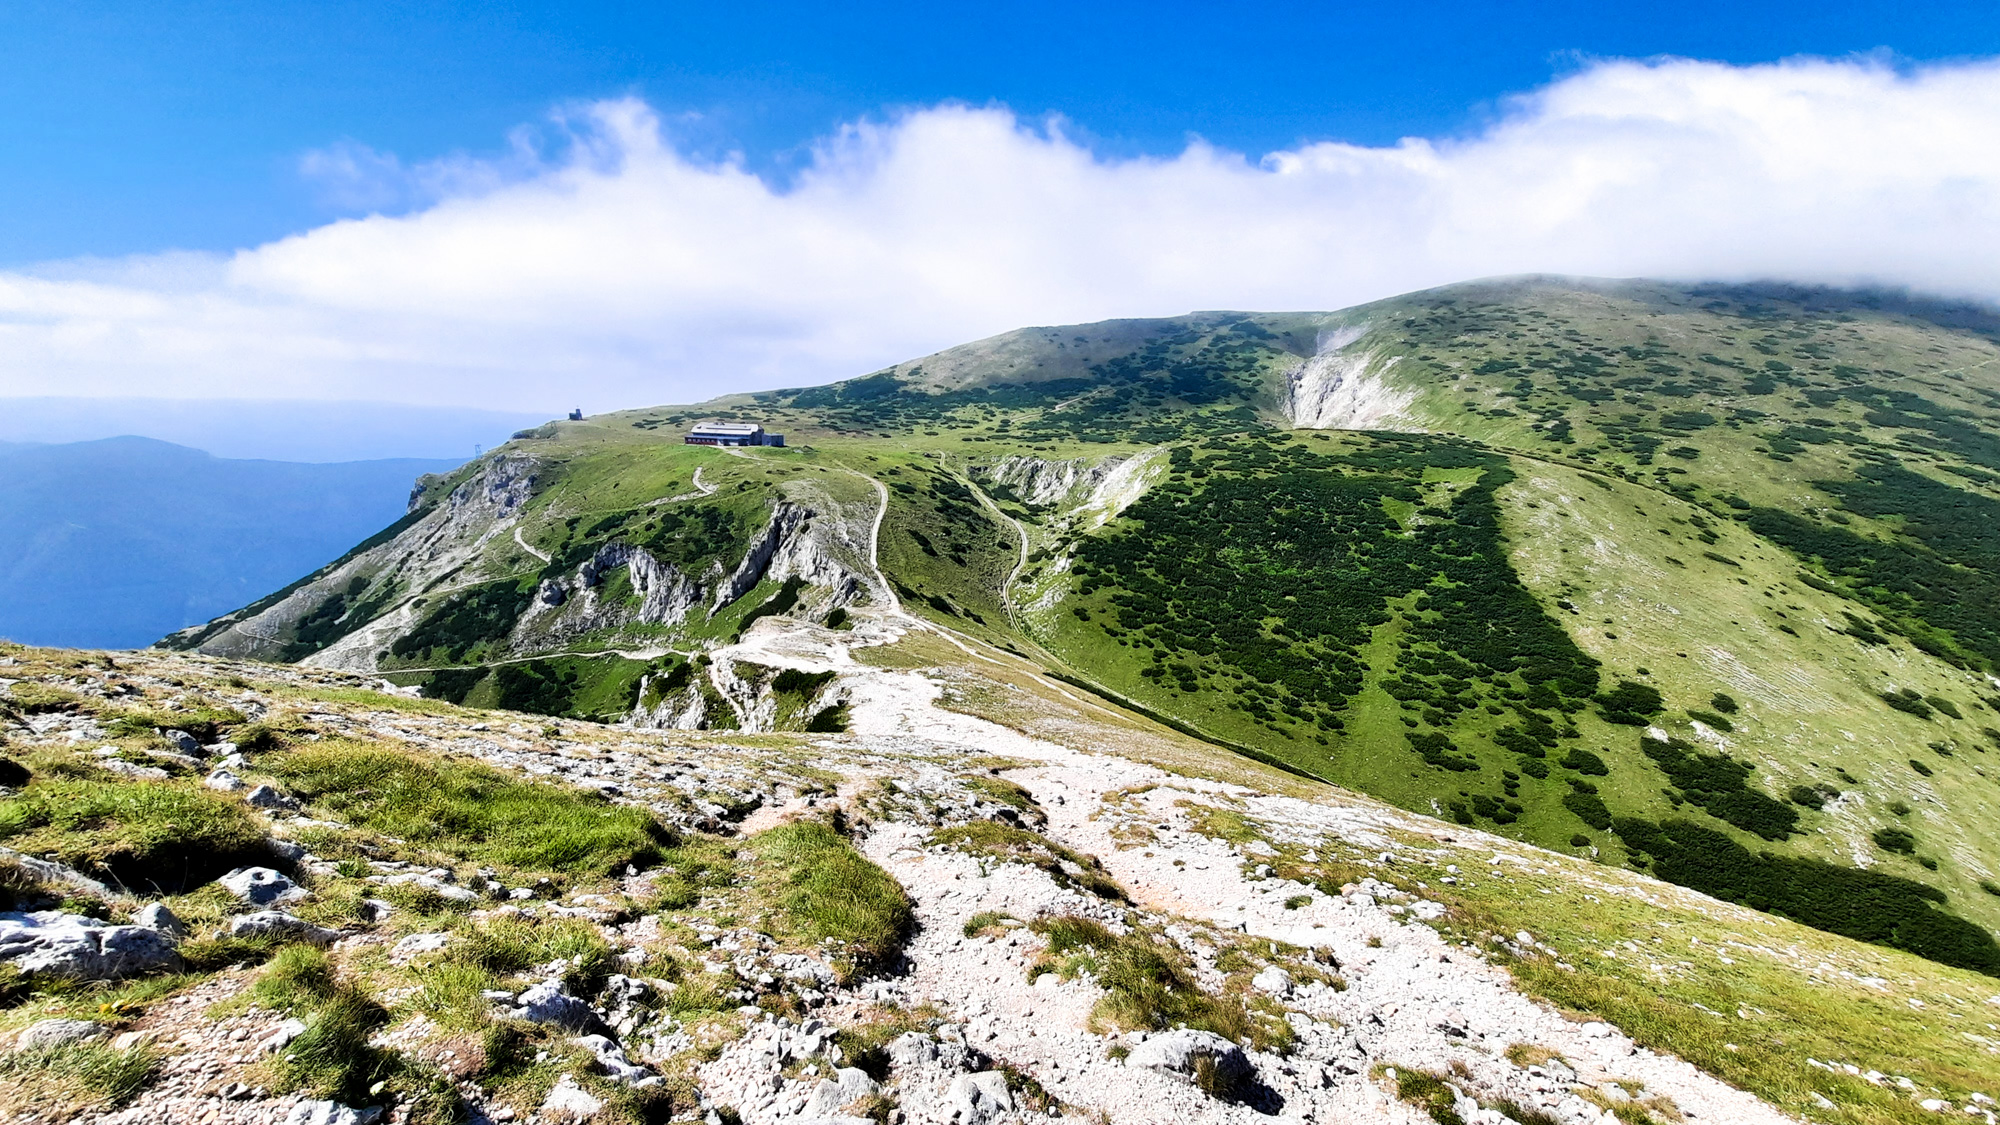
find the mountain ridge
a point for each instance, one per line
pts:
(1683, 493)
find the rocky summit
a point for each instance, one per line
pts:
(1529, 701)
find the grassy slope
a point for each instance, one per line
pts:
(1677, 407)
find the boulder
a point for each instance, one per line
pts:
(277, 923)
(261, 886)
(568, 1101)
(911, 1049)
(182, 741)
(847, 1085)
(72, 946)
(1179, 1052)
(550, 1003)
(265, 797)
(156, 917)
(45, 1034)
(1273, 980)
(331, 1113)
(976, 1099)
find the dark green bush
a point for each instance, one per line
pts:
(1865, 905)
(1898, 840)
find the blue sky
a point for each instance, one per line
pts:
(140, 127)
(528, 207)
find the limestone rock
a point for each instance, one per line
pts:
(225, 781)
(611, 1057)
(550, 1003)
(1178, 1052)
(277, 923)
(261, 886)
(182, 741)
(49, 943)
(265, 797)
(568, 1101)
(1273, 980)
(911, 1049)
(44, 1034)
(419, 943)
(976, 1099)
(331, 1113)
(156, 917)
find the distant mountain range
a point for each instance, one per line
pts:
(112, 543)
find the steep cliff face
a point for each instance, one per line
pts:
(1346, 386)
(441, 536)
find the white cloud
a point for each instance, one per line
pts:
(618, 271)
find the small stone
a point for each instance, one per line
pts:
(225, 781)
(322, 1112)
(419, 943)
(976, 1099)
(277, 923)
(156, 917)
(136, 773)
(568, 1101)
(280, 1039)
(265, 797)
(1273, 980)
(182, 741)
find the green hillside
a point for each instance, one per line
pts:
(1698, 580)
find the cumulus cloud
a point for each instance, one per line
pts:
(614, 269)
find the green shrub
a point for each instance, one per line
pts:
(156, 836)
(1723, 703)
(472, 810)
(1631, 704)
(1589, 808)
(1710, 718)
(1585, 762)
(1720, 784)
(1898, 840)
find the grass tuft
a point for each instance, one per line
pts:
(159, 836)
(1018, 845)
(474, 811)
(828, 892)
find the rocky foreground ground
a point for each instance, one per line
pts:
(1084, 920)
